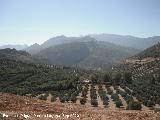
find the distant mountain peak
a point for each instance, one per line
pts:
(88, 37)
(35, 44)
(61, 36)
(127, 40)
(33, 48)
(17, 47)
(58, 37)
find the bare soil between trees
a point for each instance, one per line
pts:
(19, 107)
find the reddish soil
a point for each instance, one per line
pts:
(38, 109)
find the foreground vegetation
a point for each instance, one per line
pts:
(139, 83)
(22, 78)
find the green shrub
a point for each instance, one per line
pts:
(115, 97)
(149, 103)
(94, 102)
(73, 98)
(53, 99)
(128, 98)
(128, 77)
(118, 103)
(62, 99)
(134, 105)
(83, 101)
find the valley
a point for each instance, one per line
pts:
(79, 60)
(131, 87)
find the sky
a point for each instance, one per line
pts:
(35, 21)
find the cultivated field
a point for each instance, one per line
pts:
(34, 109)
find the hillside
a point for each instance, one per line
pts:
(127, 41)
(153, 51)
(34, 109)
(88, 54)
(14, 54)
(25, 78)
(20, 55)
(144, 72)
(145, 65)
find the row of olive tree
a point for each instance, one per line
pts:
(112, 79)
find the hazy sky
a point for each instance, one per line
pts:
(30, 21)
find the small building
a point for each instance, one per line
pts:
(86, 81)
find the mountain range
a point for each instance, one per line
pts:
(35, 48)
(127, 40)
(17, 47)
(92, 52)
(122, 40)
(84, 52)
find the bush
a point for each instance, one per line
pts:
(53, 99)
(83, 101)
(118, 103)
(134, 105)
(94, 102)
(84, 91)
(105, 102)
(128, 77)
(109, 91)
(73, 98)
(106, 78)
(115, 97)
(94, 79)
(149, 103)
(43, 97)
(62, 99)
(93, 93)
(117, 79)
(67, 98)
(128, 98)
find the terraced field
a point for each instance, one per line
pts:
(102, 96)
(13, 107)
